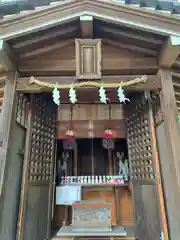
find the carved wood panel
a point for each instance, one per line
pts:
(139, 142)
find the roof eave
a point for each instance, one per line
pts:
(36, 20)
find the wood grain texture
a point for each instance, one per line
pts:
(90, 120)
(172, 157)
(12, 27)
(105, 195)
(125, 206)
(5, 122)
(143, 173)
(36, 195)
(158, 172)
(88, 58)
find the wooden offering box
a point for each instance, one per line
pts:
(91, 216)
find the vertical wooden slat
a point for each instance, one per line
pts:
(158, 174)
(5, 122)
(24, 182)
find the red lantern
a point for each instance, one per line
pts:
(70, 135)
(108, 134)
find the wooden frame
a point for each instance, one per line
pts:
(88, 58)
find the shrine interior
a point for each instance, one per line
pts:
(102, 173)
(92, 158)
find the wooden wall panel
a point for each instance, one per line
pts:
(83, 130)
(106, 194)
(90, 120)
(62, 61)
(90, 112)
(125, 207)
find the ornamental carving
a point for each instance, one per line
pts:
(92, 218)
(88, 58)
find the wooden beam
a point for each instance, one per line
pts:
(86, 23)
(37, 39)
(132, 35)
(170, 153)
(169, 52)
(47, 49)
(115, 64)
(6, 59)
(131, 47)
(5, 123)
(23, 83)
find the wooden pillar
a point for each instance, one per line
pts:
(5, 122)
(9, 161)
(170, 156)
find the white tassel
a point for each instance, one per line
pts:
(102, 95)
(121, 96)
(56, 96)
(72, 95)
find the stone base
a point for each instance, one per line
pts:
(68, 231)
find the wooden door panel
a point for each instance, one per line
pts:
(142, 171)
(38, 169)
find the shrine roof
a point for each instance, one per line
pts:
(26, 16)
(16, 7)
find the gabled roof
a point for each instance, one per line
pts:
(134, 13)
(9, 7)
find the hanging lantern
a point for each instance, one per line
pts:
(70, 134)
(108, 136)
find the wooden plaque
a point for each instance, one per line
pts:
(88, 58)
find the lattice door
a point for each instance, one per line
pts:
(38, 169)
(139, 142)
(143, 176)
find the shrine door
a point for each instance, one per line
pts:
(36, 193)
(142, 171)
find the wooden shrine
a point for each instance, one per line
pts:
(89, 122)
